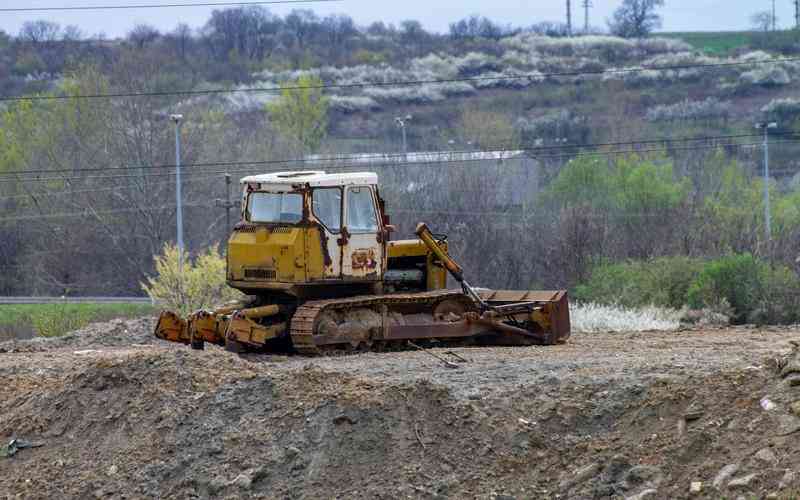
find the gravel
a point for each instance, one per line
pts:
(123, 414)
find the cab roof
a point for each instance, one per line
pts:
(314, 178)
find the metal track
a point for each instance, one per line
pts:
(304, 321)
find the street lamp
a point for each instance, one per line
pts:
(401, 122)
(768, 222)
(178, 119)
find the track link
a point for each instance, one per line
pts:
(304, 321)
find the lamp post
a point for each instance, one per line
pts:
(178, 119)
(767, 216)
(401, 122)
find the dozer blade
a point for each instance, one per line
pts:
(544, 314)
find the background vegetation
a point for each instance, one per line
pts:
(53, 320)
(87, 195)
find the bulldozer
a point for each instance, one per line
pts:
(314, 256)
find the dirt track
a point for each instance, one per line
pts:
(616, 415)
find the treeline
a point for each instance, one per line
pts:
(236, 42)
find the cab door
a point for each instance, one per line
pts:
(362, 247)
(326, 205)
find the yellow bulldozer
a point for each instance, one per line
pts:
(314, 256)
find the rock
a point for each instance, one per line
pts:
(695, 487)
(693, 412)
(243, 481)
(795, 407)
(112, 470)
(767, 404)
(343, 419)
(580, 475)
(741, 482)
(643, 475)
(724, 474)
(787, 424)
(787, 480)
(648, 493)
(291, 452)
(766, 455)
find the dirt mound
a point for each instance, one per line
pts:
(608, 416)
(115, 333)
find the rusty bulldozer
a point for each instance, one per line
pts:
(313, 254)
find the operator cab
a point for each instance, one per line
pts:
(316, 227)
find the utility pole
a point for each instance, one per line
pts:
(586, 5)
(227, 204)
(774, 20)
(797, 14)
(569, 17)
(767, 215)
(401, 122)
(178, 119)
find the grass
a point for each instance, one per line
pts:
(53, 320)
(589, 318)
(714, 42)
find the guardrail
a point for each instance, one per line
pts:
(74, 300)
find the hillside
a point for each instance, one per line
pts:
(574, 107)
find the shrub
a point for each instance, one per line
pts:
(414, 94)
(735, 279)
(755, 291)
(782, 109)
(765, 76)
(709, 109)
(739, 286)
(200, 285)
(353, 104)
(560, 125)
(662, 282)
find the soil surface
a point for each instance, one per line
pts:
(120, 414)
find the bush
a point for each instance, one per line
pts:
(739, 286)
(353, 104)
(782, 109)
(708, 109)
(735, 279)
(661, 282)
(756, 292)
(765, 76)
(201, 285)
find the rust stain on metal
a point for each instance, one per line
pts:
(364, 258)
(323, 238)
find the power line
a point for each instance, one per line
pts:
(421, 163)
(400, 83)
(361, 157)
(89, 213)
(158, 6)
(119, 187)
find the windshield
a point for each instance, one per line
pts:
(275, 207)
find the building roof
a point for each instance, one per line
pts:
(420, 157)
(314, 178)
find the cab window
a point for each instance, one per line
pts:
(361, 216)
(327, 206)
(275, 207)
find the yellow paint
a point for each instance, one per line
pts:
(294, 255)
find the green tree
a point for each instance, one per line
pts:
(301, 114)
(734, 210)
